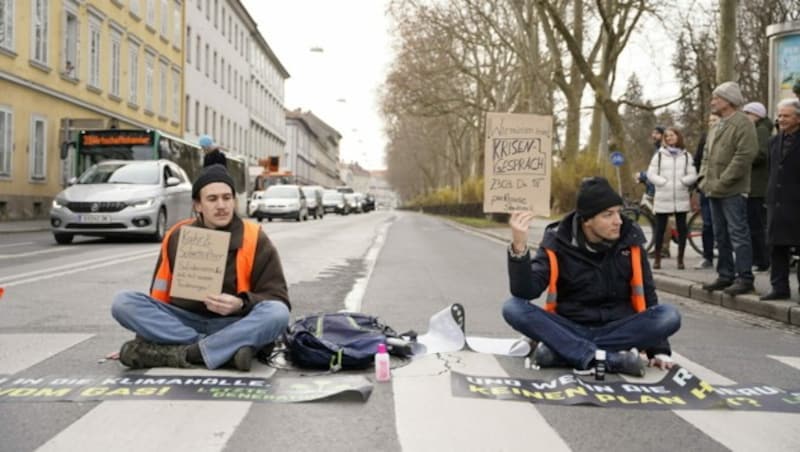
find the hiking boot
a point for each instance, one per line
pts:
(242, 359)
(718, 284)
(626, 362)
(704, 265)
(773, 295)
(140, 354)
(543, 356)
(740, 287)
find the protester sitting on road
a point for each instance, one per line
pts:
(226, 328)
(600, 290)
(673, 174)
(705, 205)
(783, 203)
(756, 208)
(725, 179)
(212, 154)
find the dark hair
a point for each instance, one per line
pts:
(680, 144)
(659, 129)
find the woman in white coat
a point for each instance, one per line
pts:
(672, 172)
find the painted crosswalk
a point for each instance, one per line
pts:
(426, 416)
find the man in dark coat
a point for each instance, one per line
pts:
(592, 249)
(783, 197)
(756, 208)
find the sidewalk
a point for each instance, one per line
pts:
(24, 226)
(687, 283)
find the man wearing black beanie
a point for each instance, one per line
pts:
(253, 307)
(601, 299)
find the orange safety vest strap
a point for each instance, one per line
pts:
(552, 292)
(163, 276)
(637, 281)
(246, 256)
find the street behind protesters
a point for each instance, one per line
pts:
(600, 290)
(783, 198)
(672, 172)
(212, 155)
(759, 173)
(225, 329)
(705, 204)
(725, 179)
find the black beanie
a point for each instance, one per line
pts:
(209, 175)
(595, 196)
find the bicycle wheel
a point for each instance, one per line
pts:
(645, 221)
(695, 228)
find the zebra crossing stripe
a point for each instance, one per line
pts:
(20, 351)
(792, 361)
(425, 410)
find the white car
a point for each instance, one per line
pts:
(279, 201)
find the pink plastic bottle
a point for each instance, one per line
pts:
(383, 369)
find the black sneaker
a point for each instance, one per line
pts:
(543, 356)
(740, 287)
(773, 295)
(718, 284)
(242, 360)
(140, 354)
(626, 362)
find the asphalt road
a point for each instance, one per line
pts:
(404, 267)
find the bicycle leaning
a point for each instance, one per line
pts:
(641, 212)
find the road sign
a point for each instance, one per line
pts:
(617, 159)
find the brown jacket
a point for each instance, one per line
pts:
(267, 282)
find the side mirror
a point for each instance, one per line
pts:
(173, 181)
(72, 181)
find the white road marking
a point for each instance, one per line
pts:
(352, 302)
(16, 244)
(55, 272)
(20, 351)
(33, 253)
(429, 418)
(788, 360)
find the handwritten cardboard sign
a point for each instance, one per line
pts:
(199, 263)
(518, 163)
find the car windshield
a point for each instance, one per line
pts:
(308, 191)
(332, 195)
(142, 173)
(280, 192)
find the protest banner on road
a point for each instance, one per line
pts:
(199, 263)
(518, 163)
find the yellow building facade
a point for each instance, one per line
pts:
(91, 63)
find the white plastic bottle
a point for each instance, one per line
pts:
(383, 370)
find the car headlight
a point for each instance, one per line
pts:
(59, 203)
(340, 205)
(142, 204)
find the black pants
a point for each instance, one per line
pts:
(680, 224)
(779, 273)
(757, 219)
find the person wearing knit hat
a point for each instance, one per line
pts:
(725, 178)
(224, 327)
(600, 289)
(759, 176)
(212, 155)
(756, 109)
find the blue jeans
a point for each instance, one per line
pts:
(708, 228)
(733, 236)
(577, 343)
(218, 337)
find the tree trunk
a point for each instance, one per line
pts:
(726, 50)
(573, 132)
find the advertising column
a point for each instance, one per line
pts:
(784, 61)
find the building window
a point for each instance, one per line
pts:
(223, 21)
(176, 30)
(208, 9)
(162, 87)
(197, 50)
(165, 18)
(37, 147)
(222, 74)
(189, 45)
(134, 6)
(230, 24)
(6, 136)
(176, 97)
(7, 24)
(216, 13)
(149, 68)
(116, 39)
(197, 117)
(208, 60)
(39, 30)
(215, 66)
(229, 79)
(188, 112)
(133, 73)
(94, 54)
(71, 43)
(150, 14)
(205, 121)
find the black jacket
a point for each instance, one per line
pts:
(783, 192)
(593, 288)
(214, 157)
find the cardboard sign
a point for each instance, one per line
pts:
(199, 263)
(518, 163)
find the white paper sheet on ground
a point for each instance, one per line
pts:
(443, 336)
(497, 346)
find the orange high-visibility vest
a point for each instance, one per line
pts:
(637, 281)
(245, 257)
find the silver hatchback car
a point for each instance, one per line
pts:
(122, 198)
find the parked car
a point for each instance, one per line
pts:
(369, 203)
(122, 198)
(354, 200)
(314, 200)
(333, 201)
(279, 201)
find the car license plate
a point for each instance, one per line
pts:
(94, 218)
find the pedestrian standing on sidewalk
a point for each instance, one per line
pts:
(600, 290)
(759, 173)
(225, 329)
(656, 137)
(725, 179)
(705, 205)
(783, 198)
(673, 174)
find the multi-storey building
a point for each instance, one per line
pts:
(312, 149)
(112, 63)
(234, 82)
